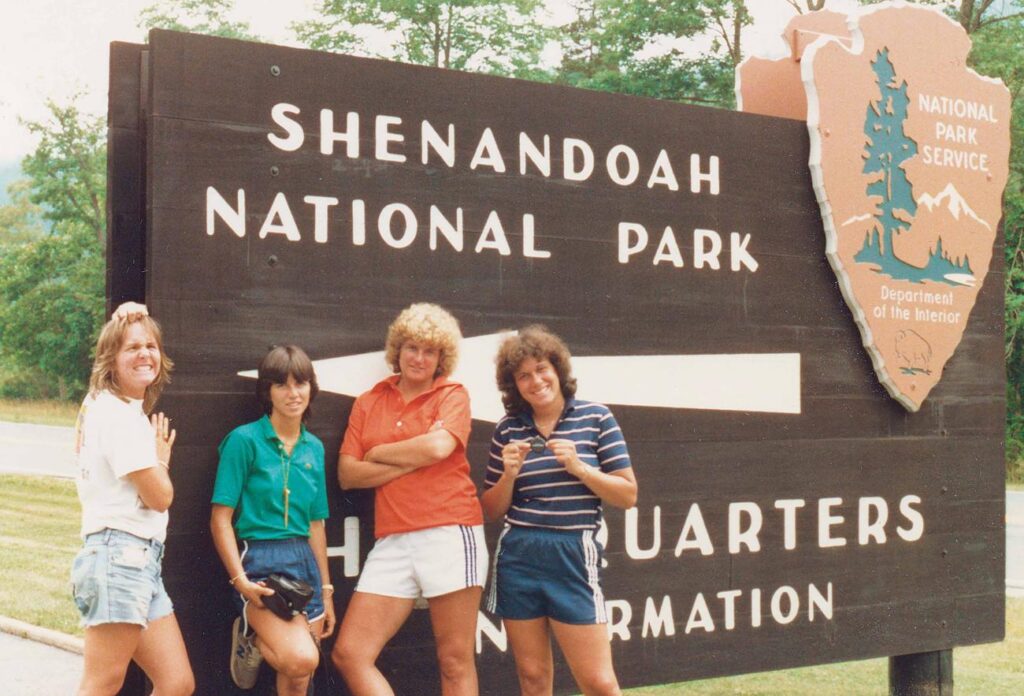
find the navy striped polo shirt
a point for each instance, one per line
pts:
(545, 494)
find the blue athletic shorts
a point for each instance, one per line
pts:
(548, 573)
(115, 578)
(292, 557)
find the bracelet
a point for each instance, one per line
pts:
(240, 575)
(586, 473)
(164, 464)
(327, 586)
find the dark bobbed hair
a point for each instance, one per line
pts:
(538, 342)
(275, 368)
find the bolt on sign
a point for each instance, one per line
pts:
(909, 157)
(790, 512)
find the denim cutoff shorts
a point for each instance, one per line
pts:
(292, 557)
(115, 578)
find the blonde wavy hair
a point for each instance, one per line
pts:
(109, 345)
(431, 325)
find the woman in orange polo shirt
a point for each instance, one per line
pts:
(407, 439)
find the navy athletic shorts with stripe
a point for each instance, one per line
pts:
(550, 573)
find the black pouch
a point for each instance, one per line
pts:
(290, 596)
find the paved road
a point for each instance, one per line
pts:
(27, 448)
(34, 669)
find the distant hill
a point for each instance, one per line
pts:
(9, 172)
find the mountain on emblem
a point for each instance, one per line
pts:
(909, 157)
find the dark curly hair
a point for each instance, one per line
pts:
(275, 368)
(538, 342)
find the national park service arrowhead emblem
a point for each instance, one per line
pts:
(909, 157)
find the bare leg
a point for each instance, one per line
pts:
(370, 622)
(162, 656)
(453, 617)
(108, 650)
(589, 654)
(531, 647)
(287, 647)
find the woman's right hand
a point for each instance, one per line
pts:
(252, 591)
(130, 311)
(512, 456)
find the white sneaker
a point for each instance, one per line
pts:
(245, 657)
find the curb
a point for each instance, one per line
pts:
(56, 639)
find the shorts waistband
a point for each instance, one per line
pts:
(105, 535)
(553, 531)
(281, 543)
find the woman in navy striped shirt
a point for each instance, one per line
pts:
(554, 460)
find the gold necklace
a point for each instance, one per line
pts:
(286, 467)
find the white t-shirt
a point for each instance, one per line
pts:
(112, 439)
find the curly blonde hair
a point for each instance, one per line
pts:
(431, 325)
(109, 345)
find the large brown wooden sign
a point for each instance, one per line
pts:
(790, 512)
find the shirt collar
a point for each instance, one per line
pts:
(267, 428)
(527, 416)
(391, 383)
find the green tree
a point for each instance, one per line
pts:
(999, 51)
(68, 168)
(51, 306)
(21, 219)
(640, 47)
(52, 285)
(210, 17)
(500, 37)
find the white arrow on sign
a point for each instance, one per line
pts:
(756, 382)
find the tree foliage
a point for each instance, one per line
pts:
(21, 219)
(51, 306)
(52, 281)
(210, 17)
(999, 51)
(644, 47)
(68, 168)
(500, 37)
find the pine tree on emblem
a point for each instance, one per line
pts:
(886, 149)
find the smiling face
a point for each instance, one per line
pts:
(417, 363)
(289, 399)
(138, 361)
(537, 382)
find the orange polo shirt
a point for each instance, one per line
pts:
(431, 496)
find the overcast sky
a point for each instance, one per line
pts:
(56, 48)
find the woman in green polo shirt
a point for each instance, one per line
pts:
(271, 495)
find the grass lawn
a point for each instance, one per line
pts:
(39, 518)
(42, 412)
(39, 537)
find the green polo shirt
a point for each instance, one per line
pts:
(251, 479)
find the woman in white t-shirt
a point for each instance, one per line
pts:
(125, 490)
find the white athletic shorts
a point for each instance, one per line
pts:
(426, 563)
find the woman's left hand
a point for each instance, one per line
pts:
(164, 438)
(328, 625)
(565, 454)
